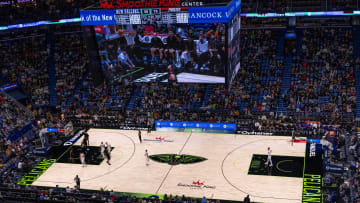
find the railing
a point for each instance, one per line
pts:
(304, 5)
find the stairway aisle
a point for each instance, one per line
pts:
(51, 70)
(356, 38)
(136, 94)
(208, 92)
(286, 80)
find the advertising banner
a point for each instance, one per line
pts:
(335, 168)
(313, 173)
(313, 140)
(98, 17)
(208, 14)
(222, 126)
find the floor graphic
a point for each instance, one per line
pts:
(287, 166)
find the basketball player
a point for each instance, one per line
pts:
(86, 139)
(102, 149)
(292, 137)
(82, 159)
(77, 180)
(83, 147)
(147, 157)
(107, 156)
(139, 134)
(108, 148)
(247, 199)
(71, 154)
(269, 158)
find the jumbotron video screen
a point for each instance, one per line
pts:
(166, 44)
(189, 53)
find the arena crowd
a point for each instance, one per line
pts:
(322, 88)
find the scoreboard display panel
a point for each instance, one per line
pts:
(151, 15)
(160, 15)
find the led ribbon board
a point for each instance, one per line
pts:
(222, 126)
(120, 4)
(39, 23)
(300, 14)
(248, 15)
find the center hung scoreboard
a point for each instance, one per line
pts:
(108, 22)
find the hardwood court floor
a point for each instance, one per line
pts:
(224, 174)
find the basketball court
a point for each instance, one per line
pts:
(221, 166)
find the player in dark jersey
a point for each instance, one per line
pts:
(83, 147)
(71, 154)
(86, 139)
(77, 181)
(133, 48)
(122, 42)
(139, 134)
(171, 47)
(107, 152)
(156, 46)
(189, 56)
(247, 199)
(108, 157)
(111, 49)
(214, 50)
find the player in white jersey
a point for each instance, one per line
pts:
(269, 158)
(147, 157)
(102, 150)
(82, 159)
